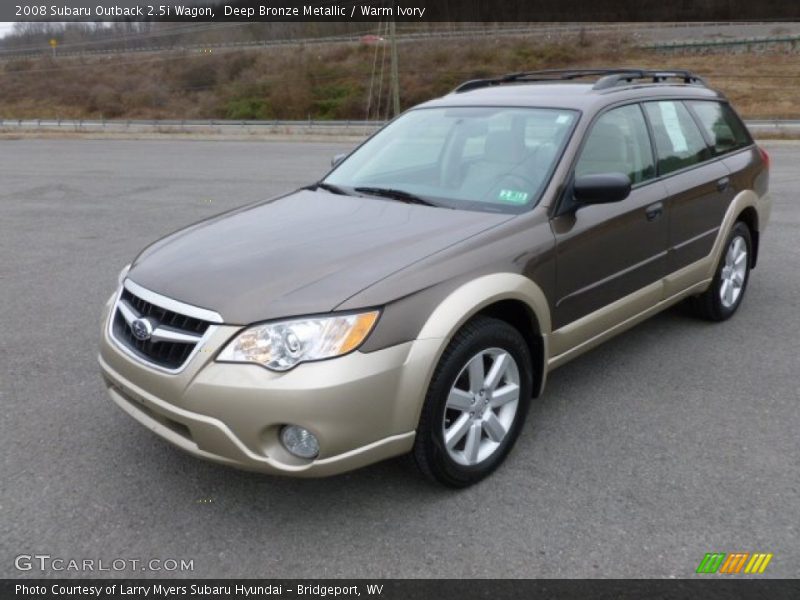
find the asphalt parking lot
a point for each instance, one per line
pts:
(675, 439)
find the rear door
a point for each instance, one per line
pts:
(699, 187)
(607, 251)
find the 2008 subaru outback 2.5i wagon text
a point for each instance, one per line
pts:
(415, 299)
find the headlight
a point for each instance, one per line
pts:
(123, 274)
(285, 344)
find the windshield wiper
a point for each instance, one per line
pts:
(329, 187)
(401, 195)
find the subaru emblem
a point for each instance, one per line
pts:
(142, 329)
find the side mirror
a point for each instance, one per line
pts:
(601, 188)
(337, 159)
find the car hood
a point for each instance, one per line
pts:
(299, 254)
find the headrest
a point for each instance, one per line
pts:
(606, 144)
(504, 146)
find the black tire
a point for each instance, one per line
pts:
(709, 305)
(481, 334)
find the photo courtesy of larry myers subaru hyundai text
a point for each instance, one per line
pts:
(415, 299)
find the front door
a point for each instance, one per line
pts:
(606, 252)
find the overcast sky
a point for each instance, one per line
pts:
(5, 28)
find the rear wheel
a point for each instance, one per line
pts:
(476, 403)
(726, 291)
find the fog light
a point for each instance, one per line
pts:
(299, 441)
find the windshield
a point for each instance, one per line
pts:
(478, 158)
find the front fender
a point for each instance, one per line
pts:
(468, 299)
(462, 304)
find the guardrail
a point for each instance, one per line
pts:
(185, 122)
(723, 44)
(211, 126)
(547, 29)
(132, 48)
(221, 126)
(773, 125)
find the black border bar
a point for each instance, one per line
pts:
(703, 587)
(403, 10)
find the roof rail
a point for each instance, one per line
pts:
(616, 79)
(608, 77)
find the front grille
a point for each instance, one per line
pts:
(168, 354)
(165, 317)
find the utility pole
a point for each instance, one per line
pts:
(395, 76)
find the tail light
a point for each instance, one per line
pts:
(764, 157)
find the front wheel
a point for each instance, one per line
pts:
(476, 403)
(726, 291)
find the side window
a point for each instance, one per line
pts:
(679, 143)
(618, 143)
(721, 124)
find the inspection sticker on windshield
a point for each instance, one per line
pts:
(513, 196)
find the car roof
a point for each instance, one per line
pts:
(570, 95)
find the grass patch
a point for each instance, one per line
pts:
(333, 81)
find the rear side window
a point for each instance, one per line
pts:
(722, 126)
(618, 143)
(679, 143)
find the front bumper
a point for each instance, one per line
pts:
(363, 407)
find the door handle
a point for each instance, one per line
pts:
(654, 211)
(722, 184)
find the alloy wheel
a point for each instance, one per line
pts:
(481, 406)
(734, 271)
